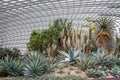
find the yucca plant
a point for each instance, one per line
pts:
(37, 64)
(86, 61)
(105, 26)
(104, 31)
(71, 55)
(11, 66)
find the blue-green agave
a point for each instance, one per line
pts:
(37, 64)
(11, 66)
(71, 55)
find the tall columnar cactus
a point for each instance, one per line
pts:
(71, 40)
(90, 26)
(51, 50)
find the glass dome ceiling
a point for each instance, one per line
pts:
(19, 17)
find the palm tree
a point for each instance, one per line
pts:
(104, 30)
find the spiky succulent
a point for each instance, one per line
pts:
(95, 73)
(104, 29)
(86, 61)
(115, 60)
(71, 55)
(11, 66)
(100, 57)
(37, 64)
(115, 71)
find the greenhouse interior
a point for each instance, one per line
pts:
(59, 39)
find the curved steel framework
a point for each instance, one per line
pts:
(19, 17)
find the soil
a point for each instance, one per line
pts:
(73, 70)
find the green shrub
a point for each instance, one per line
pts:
(41, 39)
(11, 66)
(37, 64)
(14, 53)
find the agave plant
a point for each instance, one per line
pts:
(71, 55)
(86, 61)
(96, 73)
(115, 60)
(37, 64)
(115, 71)
(11, 66)
(100, 56)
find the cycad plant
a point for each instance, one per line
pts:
(37, 64)
(11, 66)
(104, 30)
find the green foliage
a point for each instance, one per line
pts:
(115, 71)
(4, 52)
(118, 48)
(106, 60)
(15, 53)
(46, 77)
(95, 73)
(41, 39)
(37, 64)
(101, 58)
(71, 55)
(93, 46)
(115, 60)
(105, 23)
(86, 62)
(3, 73)
(11, 66)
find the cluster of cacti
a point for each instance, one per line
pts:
(71, 40)
(51, 50)
(85, 39)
